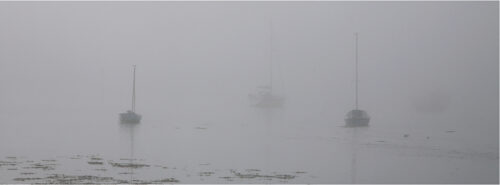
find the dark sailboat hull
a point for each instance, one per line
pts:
(357, 118)
(130, 118)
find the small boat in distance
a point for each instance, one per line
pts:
(264, 97)
(130, 116)
(357, 117)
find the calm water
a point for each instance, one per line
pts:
(265, 147)
(427, 76)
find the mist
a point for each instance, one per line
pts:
(428, 78)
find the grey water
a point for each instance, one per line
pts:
(428, 77)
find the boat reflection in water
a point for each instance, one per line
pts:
(128, 131)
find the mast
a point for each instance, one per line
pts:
(356, 37)
(271, 55)
(133, 92)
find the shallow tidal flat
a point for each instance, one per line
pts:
(95, 169)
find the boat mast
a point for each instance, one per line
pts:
(133, 92)
(356, 37)
(271, 55)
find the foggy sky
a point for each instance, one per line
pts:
(200, 60)
(63, 55)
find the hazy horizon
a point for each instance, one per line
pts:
(427, 69)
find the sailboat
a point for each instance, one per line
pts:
(265, 98)
(130, 116)
(357, 117)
